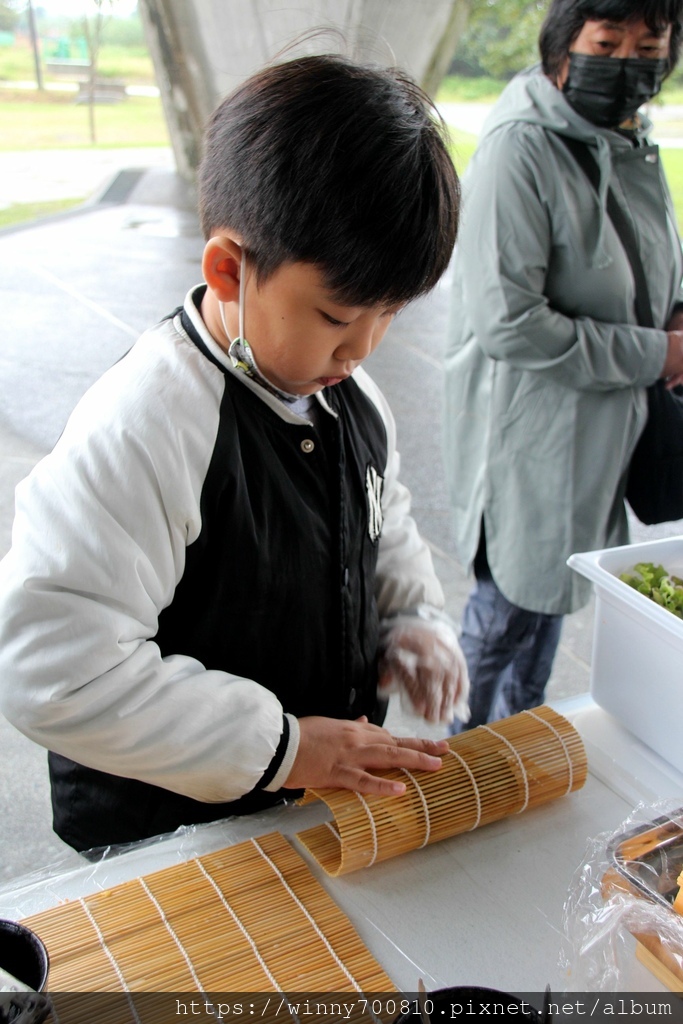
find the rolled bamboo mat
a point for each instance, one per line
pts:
(489, 773)
(248, 918)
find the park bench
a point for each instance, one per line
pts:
(69, 67)
(105, 90)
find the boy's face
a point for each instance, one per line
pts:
(302, 340)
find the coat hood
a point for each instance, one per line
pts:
(532, 98)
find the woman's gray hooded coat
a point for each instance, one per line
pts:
(546, 366)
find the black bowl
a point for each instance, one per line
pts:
(463, 1003)
(24, 955)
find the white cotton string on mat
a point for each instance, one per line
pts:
(248, 918)
(493, 771)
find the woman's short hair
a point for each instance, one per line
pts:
(342, 165)
(566, 18)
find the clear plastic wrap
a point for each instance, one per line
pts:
(102, 870)
(621, 931)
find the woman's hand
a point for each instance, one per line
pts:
(672, 371)
(676, 321)
(340, 754)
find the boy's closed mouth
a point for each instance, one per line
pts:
(329, 381)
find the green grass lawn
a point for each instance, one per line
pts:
(56, 121)
(132, 63)
(458, 89)
(463, 145)
(19, 213)
(672, 160)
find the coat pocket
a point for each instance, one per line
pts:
(534, 416)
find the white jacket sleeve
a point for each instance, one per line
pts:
(405, 571)
(80, 594)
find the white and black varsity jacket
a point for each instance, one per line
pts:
(193, 568)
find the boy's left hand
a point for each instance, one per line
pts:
(338, 754)
(423, 659)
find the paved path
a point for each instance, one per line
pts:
(51, 174)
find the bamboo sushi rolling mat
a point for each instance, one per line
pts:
(489, 772)
(248, 918)
(252, 917)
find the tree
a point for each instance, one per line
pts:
(93, 31)
(447, 45)
(9, 15)
(35, 45)
(501, 37)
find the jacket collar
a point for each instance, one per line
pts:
(200, 335)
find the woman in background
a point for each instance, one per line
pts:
(546, 366)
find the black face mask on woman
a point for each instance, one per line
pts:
(608, 90)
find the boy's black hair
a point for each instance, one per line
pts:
(566, 18)
(342, 165)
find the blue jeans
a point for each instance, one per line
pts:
(509, 652)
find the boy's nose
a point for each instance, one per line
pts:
(357, 345)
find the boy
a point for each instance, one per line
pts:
(190, 612)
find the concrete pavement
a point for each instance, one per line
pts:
(30, 176)
(77, 291)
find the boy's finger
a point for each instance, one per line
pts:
(363, 782)
(390, 755)
(426, 745)
(374, 785)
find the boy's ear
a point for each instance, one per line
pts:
(221, 267)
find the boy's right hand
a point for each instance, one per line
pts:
(339, 754)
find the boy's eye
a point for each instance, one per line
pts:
(332, 320)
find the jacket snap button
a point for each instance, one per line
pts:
(307, 445)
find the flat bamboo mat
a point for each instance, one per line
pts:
(248, 918)
(489, 772)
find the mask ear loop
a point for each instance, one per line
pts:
(240, 311)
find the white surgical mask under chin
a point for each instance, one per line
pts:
(239, 349)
